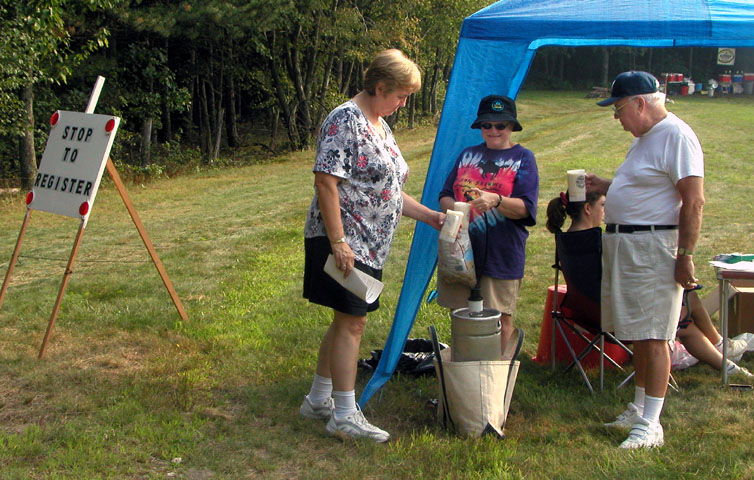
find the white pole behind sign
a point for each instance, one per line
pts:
(94, 97)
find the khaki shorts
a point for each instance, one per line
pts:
(640, 298)
(498, 294)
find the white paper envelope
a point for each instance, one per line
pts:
(359, 283)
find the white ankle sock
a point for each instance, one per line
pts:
(321, 389)
(345, 403)
(653, 408)
(639, 396)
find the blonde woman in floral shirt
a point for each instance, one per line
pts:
(359, 174)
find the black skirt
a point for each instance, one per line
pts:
(321, 289)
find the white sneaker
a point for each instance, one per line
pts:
(355, 426)
(739, 371)
(627, 419)
(644, 435)
(736, 348)
(322, 411)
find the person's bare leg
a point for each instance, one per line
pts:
(656, 356)
(344, 350)
(346, 420)
(700, 346)
(702, 320)
(323, 360)
(640, 366)
(506, 330)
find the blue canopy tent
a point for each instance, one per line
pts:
(495, 50)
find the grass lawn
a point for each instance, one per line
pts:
(127, 390)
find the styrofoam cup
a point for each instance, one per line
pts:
(465, 208)
(577, 185)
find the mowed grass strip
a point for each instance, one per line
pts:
(127, 390)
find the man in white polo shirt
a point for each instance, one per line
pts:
(653, 213)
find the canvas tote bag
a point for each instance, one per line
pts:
(478, 393)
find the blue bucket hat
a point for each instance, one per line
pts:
(628, 84)
(496, 108)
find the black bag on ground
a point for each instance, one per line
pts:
(416, 358)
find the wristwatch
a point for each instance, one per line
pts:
(340, 240)
(683, 251)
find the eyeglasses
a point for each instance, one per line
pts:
(498, 126)
(616, 111)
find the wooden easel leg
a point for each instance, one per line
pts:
(14, 257)
(145, 237)
(61, 292)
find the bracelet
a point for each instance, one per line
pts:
(499, 200)
(340, 240)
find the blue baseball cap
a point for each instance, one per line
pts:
(628, 84)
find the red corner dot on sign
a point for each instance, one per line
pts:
(110, 125)
(84, 208)
(54, 119)
(29, 198)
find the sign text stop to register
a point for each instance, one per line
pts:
(73, 162)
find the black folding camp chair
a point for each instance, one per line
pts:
(578, 255)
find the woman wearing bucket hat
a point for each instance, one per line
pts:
(499, 179)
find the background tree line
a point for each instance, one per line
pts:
(193, 77)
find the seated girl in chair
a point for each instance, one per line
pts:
(696, 331)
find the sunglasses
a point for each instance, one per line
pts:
(498, 126)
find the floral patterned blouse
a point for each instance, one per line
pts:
(373, 172)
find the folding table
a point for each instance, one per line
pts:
(725, 276)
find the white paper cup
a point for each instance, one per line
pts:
(577, 185)
(466, 209)
(453, 222)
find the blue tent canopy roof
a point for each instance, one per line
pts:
(688, 22)
(495, 50)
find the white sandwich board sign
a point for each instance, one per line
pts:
(76, 156)
(72, 164)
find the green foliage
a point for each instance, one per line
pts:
(146, 83)
(270, 65)
(170, 159)
(42, 41)
(569, 68)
